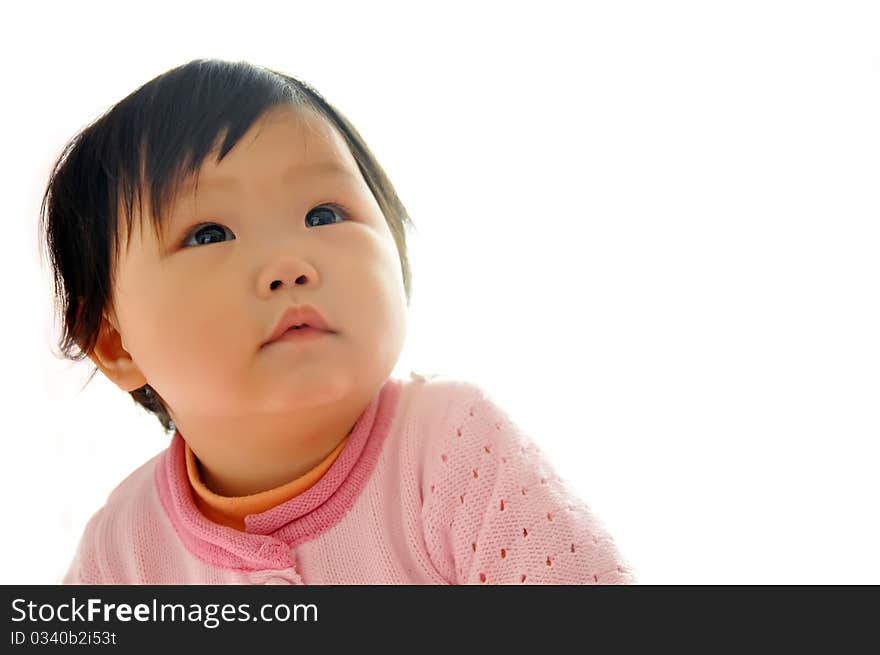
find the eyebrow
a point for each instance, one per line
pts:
(225, 181)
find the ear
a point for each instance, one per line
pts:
(115, 362)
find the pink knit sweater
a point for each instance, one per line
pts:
(436, 485)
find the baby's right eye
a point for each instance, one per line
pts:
(203, 233)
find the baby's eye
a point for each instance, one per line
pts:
(204, 233)
(323, 214)
(318, 213)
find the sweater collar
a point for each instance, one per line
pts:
(269, 535)
(232, 510)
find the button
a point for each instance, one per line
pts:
(276, 581)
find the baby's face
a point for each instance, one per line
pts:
(194, 312)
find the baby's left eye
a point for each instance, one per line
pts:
(315, 216)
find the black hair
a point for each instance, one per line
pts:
(153, 140)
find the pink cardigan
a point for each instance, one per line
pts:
(436, 485)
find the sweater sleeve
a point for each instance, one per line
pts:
(495, 512)
(85, 568)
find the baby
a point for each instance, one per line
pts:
(226, 249)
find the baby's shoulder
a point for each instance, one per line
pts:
(110, 538)
(442, 392)
(451, 414)
(129, 503)
(438, 397)
(138, 485)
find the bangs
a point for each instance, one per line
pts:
(157, 138)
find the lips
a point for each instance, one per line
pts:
(300, 315)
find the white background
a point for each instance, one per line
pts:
(649, 230)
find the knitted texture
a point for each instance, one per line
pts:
(496, 512)
(436, 485)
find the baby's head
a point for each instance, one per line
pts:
(186, 220)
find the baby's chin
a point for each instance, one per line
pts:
(313, 390)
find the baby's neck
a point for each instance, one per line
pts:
(245, 457)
